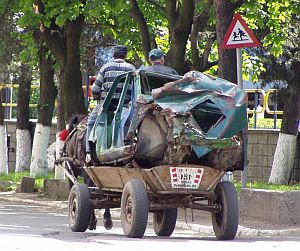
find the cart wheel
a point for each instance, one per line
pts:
(225, 222)
(164, 221)
(134, 209)
(79, 208)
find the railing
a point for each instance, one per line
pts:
(260, 106)
(10, 104)
(262, 97)
(257, 109)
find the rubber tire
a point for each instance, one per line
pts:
(134, 208)
(79, 208)
(164, 221)
(225, 222)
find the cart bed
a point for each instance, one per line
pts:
(159, 179)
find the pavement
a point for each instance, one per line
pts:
(196, 221)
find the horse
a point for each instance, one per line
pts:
(74, 137)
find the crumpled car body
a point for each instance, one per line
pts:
(194, 119)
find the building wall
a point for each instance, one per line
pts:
(261, 149)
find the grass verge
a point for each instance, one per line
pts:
(15, 179)
(264, 123)
(266, 186)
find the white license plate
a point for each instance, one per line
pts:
(186, 177)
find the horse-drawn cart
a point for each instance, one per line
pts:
(170, 149)
(159, 190)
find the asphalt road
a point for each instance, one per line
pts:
(37, 228)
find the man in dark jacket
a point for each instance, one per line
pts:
(157, 60)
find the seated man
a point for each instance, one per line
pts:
(102, 85)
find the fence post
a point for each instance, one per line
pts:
(255, 108)
(275, 110)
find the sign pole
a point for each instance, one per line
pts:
(239, 70)
(239, 36)
(239, 64)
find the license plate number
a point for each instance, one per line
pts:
(186, 177)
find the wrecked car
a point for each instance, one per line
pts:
(170, 149)
(192, 119)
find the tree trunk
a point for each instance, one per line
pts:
(23, 136)
(73, 92)
(61, 124)
(39, 166)
(180, 25)
(199, 25)
(67, 53)
(227, 58)
(284, 157)
(59, 173)
(3, 143)
(147, 42)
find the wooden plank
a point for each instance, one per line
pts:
(130, 173)
(106, 176)
(156, 179)
(113, 177)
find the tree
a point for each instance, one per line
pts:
(278, 23)
(62, 36)
(23, 134)
(3, 145)
(179, 17)
(59, 36)
(60, 29)
(10, 48)
(283, 162)
(39, 166)
(190, 34)
(227, 58)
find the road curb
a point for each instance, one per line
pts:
(242, 231)
(9, 196)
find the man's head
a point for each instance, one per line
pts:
(156, 54)
(120, 51)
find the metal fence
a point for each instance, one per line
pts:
(263, 103)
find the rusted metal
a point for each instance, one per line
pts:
(116, 154)
(96, 204)
(209, 208)
(187, 192)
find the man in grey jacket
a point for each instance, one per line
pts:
(157, 60)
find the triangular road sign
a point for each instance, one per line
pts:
(239, 35)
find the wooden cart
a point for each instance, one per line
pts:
(160, 190)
